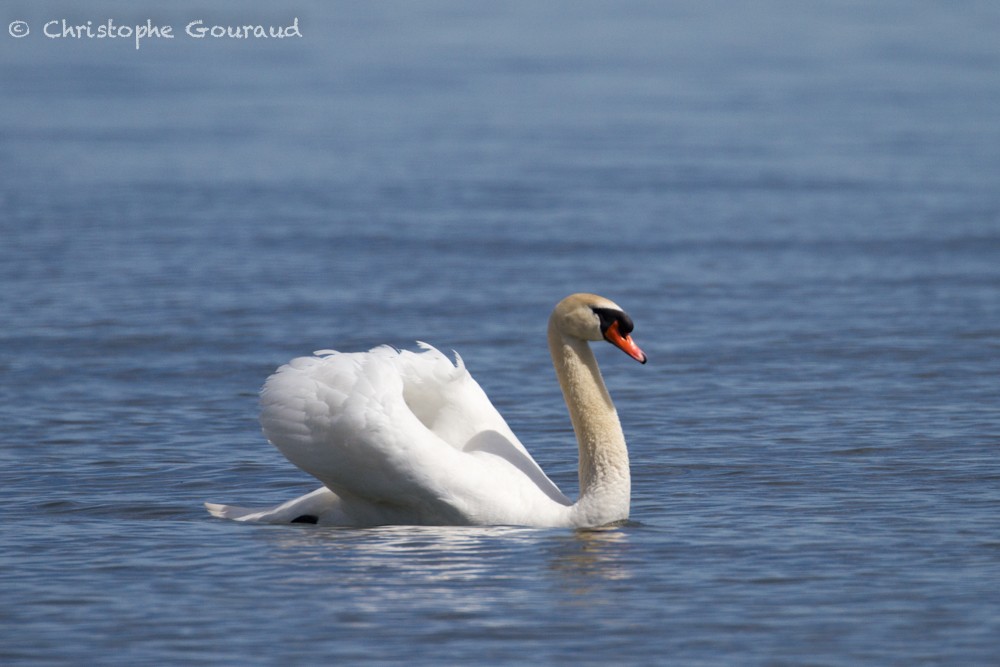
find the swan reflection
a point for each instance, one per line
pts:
(413, 560)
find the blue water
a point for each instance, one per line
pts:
(798, 205)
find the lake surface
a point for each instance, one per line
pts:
(799, 207)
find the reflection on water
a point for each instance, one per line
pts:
(469, 566)
(587, 555)
(466, 583)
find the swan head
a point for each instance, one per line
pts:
(592, 317)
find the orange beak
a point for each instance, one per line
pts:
(624, 343)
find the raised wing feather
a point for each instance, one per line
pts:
(404, 430)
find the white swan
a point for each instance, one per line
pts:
(410, 438)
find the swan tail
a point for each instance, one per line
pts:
(232, 512)
(321, 505)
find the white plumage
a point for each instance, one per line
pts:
(400, 437)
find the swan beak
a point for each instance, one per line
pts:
(624, 343)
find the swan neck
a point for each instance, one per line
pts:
(605, 484)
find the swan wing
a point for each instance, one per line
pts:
(408, 435)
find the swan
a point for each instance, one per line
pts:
(402, 437)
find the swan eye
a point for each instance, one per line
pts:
(609, 316)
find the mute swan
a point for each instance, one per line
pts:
(409, 438)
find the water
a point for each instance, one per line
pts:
(799, 208)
